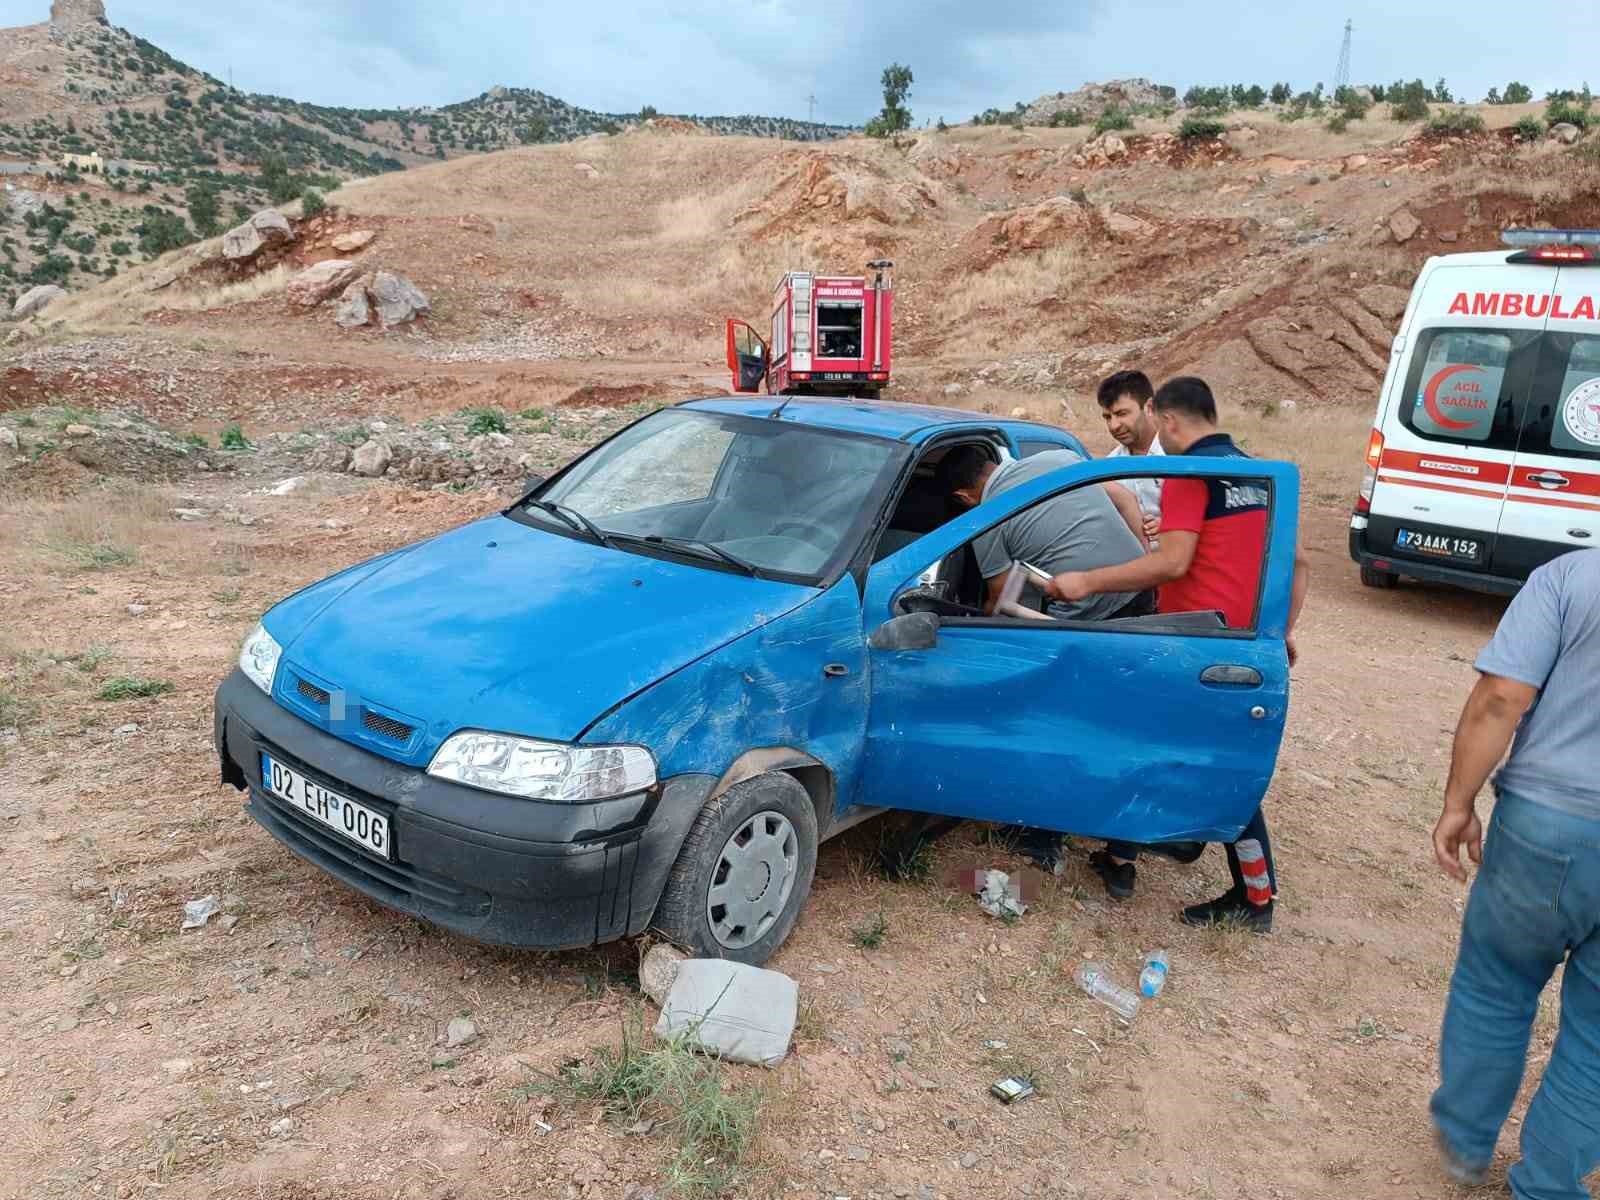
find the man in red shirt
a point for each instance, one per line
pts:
(1212, 546)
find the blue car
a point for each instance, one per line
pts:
(643, 694)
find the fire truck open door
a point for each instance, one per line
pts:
(747, 356)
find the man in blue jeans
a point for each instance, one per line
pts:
(1536, 901)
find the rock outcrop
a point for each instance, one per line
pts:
(76, 14)
(35, 299)
(392, 299)
(356, 239)
(321, 282)
(269, 227)
(1092, 99)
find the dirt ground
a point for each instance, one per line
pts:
(293, 1048)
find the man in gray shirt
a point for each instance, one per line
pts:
(1536, 901)
(1094, 526)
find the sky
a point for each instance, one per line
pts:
(770, 56)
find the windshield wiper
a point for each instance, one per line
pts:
(572, 518)
(698, 547)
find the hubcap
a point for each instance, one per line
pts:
(752, 881)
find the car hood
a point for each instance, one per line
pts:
(502, 626)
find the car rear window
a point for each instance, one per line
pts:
(1565, 416)
(1462, 386)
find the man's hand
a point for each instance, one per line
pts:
(1294, 651)
(1069, 586)
(1457, 826)
(1152, 526)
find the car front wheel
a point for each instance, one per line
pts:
(744, 871)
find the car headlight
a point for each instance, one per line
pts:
(498, 762)
(258, 658)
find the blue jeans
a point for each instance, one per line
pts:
(1535, 903)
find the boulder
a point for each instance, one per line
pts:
(371, 459)
(349, 243)
(397, 299)
(320, 282)
(1404, 226)
(269, 227)
(34, 299)
(1355, 162)
(328, 456)
(355, 310)
(1121, 226)
(1565, 133)
(161, 279)
(1113, 147)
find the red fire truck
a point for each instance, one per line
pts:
(830, 337)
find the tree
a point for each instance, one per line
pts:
(1493, 97)
(1518, 93)
(647, 112)
(311, 202)
(536, 130)
(895, 116)
(1441, 92)
(162, 231)
(204, 209)
(1280, 93)
(1408, 101)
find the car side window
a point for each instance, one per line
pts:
(1084, 529)
(1469, 386)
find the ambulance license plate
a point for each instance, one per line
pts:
(1468, 551)
(352, 821)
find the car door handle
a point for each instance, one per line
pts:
(1231, 675)
(1549, 480)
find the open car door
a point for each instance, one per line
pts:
(747, 356)
(1146, 729)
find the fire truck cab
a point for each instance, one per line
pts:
(830, 336)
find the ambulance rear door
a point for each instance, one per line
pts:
(1450, 435)
(1553, 503)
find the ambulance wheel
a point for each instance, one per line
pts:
(1374, 578)
(744, 871)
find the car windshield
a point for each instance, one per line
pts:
(739, 492)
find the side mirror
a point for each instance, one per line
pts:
(912, 631)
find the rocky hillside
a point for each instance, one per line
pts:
(114, 150)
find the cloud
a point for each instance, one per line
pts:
(769, 56)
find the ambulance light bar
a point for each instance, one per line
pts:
(1553, 245)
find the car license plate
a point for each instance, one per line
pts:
(1439, 545)
(355, 822)
(836, 376)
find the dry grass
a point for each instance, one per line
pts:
(101, 528)
(1019, 281)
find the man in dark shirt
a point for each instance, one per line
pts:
(1209, 557)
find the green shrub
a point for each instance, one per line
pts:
(1567, 112)
(1409, 101)
(1196, 129)
(232, 438)
(484, 420)
(1517, 93)
(1069, 118)
(132, 687)
(1529, 128)
(1457, 122)
(1338, 123)
(312, 203)
(1112, 119)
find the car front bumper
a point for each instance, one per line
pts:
(495, 868)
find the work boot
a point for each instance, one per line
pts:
(1119, 877)
(1180, 852)
(1231, 906)
(1041, 847)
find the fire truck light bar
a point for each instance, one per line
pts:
(1550, 237)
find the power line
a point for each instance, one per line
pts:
(1341, 73)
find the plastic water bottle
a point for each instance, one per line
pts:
(1154, 976)
(1097, 984)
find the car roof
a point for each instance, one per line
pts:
(892, 419)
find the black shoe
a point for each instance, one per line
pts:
(1230, 908)
(1119, 877)
(1041, 847)
(1182, 852)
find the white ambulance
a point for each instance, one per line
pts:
(1484, 460)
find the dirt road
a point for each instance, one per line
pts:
(293, 1046)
